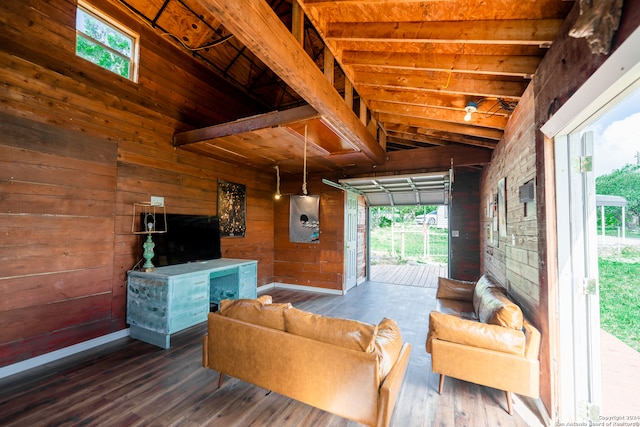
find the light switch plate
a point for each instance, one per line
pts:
(157, 201)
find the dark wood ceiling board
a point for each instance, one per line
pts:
(182, 23)
(148, 8)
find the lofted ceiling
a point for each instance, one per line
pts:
(402, 73)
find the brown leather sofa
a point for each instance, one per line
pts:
(478, 334)
(349, 368)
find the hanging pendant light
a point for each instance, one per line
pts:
(277, 196)
(304, 165)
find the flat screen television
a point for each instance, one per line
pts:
(189, 238)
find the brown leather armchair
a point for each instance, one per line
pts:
(478, 334)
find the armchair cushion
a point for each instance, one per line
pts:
(472, 333)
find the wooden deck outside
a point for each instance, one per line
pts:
(425, 276)
(130, 383)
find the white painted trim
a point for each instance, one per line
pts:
(614, 77)
(279, 285)
(50, 357)
(62, 353)
(265, 288)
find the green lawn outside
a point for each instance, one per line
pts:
(419, 247)
(619, 273)
(620, 294)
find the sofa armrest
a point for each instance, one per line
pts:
(460, 290)
(390, 387)
(450, 328)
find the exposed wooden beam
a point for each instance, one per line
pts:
(438, 135)
(523, 66)
(440, 83)
(516, 31)
(261, 121)
(442, 114)
(255, 24)
(430, 158)
(461, 129)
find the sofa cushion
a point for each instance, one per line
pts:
(492, 305)
(455, 289)
(253, 311)
(388, 344)
(342, 332)
(462, 309)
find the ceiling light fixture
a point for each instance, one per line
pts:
(471, 108)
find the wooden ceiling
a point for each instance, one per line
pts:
(414, 65)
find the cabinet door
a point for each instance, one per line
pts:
(247, 281)
(188, 301)
(147, 303)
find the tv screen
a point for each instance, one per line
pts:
(188, 238)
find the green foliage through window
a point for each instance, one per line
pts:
(104, 44)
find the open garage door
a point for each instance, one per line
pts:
(402, 190)
(406, 249)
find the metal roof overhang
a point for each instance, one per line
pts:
(401, 190)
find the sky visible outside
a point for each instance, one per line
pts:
(617, 136)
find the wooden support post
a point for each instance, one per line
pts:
(363, 112)
(297, 22)
(329, 61)
(348, 93)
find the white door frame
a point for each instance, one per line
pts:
(618, 76)
(350, 241)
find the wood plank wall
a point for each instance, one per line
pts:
(513, 258)
(79, 145)
(320, 264)
(464, 262)
(522, 155)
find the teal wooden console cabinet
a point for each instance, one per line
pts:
(170, 299)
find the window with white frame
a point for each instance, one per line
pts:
(105, 42)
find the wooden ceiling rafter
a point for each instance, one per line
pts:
(403, 70)
(538, 32)
(257, 26)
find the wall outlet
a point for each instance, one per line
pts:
(455, 233)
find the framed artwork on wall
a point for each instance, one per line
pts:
(232, 209)
(304, 219)
(502, 208)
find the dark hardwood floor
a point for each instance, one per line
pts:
(130, 383)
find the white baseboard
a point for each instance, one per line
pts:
(279, 285)
(43, 359)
